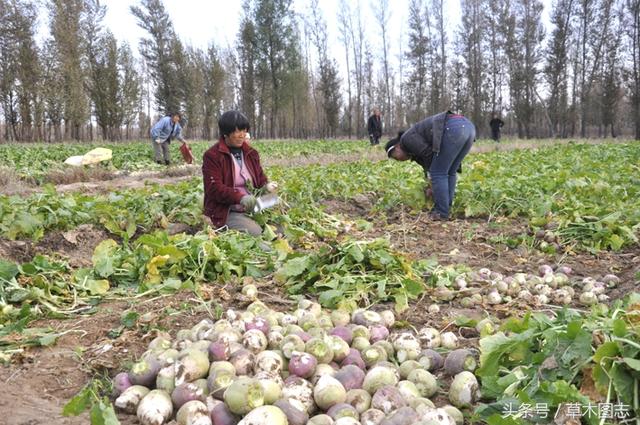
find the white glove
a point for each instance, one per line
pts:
(272, 187)
(158, 141)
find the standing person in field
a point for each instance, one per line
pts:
(495, 124)
(438, 143)
(167, 128)
(374, 127)
(230, 168)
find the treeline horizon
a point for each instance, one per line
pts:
(580, 79)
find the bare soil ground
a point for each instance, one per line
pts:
(41, 380)
(49, 377)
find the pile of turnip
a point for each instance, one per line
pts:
(262, 367)
(549, 286)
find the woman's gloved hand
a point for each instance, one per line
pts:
(248, 202)
(272, 187)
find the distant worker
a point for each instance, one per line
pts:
(374, 127)
(495, 124)
(438, 143)
(167, 128)
(230, 169)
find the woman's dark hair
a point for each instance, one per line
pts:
(231, 121)
(392, 143)
(174, 113)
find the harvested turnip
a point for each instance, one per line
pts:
(302, 364)
(254, 340)
(155, 408)
(403, 416)
(424, 381)
(299, 392)
(353, 358)
(350, 376)
(464, 390)
(372, 417)
(342, 410)
(193, 413)
(268, 361)
(328, 392)
(372, 355)
(322, 419)
(407, 366)
(185, 392)
(449, 340)
(429, 337)
(343, 332)
(379, 333)
(221, 415)
(191, 365)
(144, 372)
(121, 382)
(243, 361)
(320, 349)
(166, 379)
(437, 416)
(431, 360)
(294, 415)
(359, 399)
(243, 395)
(408, 389)
(218, 350)
(130, 398)
(271, 384)
(265, 415)
(378, 377)
(456, 414)
(388, 398)
(339, 347)
(459, 360)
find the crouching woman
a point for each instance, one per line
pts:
(230, 168)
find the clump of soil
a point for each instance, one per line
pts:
(77, 244)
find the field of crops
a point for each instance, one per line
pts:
(532, 285)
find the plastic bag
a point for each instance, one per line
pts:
(97, 155)
(187, 155)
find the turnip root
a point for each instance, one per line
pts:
(430, 360)
(155, 408)
(372, 417)
(294, 415)
(299, 392)
(458, 361)
(328, 392)
(191, 365)
(378, 377)
(193, 413)
(243, 395)
(121, 382)
(130, 398)
(425, 382)
(321, 420)
(144, 372)
(185, 392)
(388, 398)
(221, 415)
(265, 415)
(402, 416)
(464, 390)
(350, 376)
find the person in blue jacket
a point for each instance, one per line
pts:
(167, 128)
(438, 143)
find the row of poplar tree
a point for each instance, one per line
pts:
(578, 78)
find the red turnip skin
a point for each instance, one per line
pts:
(221, 415)
(342, 332)
(144, 373)
(431, 359)
(219, 350)
(193, 413)
(121, 382)
(353, 358)
(403, 416)
(459, 360)
(155, 408)
(378, 333)
(258, 323)
(302, 364)
(294, 415)
(350, 376)
(185, 392)
(130, 398)
(388, 398)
